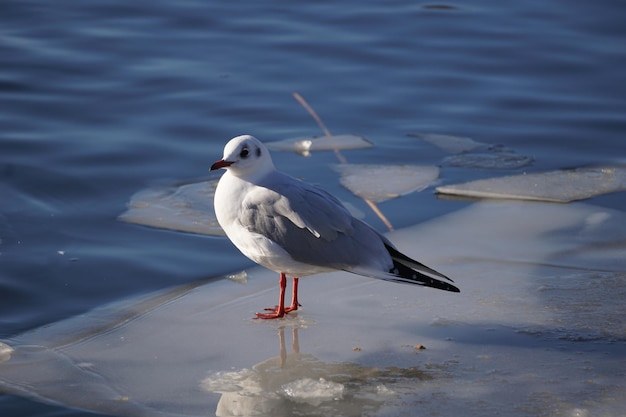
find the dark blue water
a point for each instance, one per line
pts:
(100, 99)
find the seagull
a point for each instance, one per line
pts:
(297, 229)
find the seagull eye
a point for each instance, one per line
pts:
(244, 153)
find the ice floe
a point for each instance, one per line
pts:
(304, 146)
(466, 155)
(183, 207)
(488, 160)
(5, 352)
(556, 186)
(378, 183)
(450, 143)
(313, 391)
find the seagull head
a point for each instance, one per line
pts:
(245, 156)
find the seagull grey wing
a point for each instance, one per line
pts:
(306, 206)
(322, 214)
(312, 226)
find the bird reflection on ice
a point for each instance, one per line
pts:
(299, 383)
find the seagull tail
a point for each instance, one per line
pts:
(410, 271)
(404, 274)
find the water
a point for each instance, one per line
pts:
(100, 99)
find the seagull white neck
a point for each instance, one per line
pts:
(251, 175)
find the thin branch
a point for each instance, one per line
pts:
(308, 108)
(341, 158)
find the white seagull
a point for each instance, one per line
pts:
(297, 229)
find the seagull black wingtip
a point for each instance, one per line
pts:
(401, 259)
(453, 289)
(401, 272)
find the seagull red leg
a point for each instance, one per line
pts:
(294, 297)
(279, 311)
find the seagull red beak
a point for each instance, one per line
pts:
(220, 164)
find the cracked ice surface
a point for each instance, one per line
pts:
(538, 329)
(379, 183)
(557, 186)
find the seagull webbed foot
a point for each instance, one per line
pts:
(269, 316)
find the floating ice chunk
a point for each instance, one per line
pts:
(232, 381)
(448, 143)
(380, 392)
(187, 208)
(5, 352)
(488, 161)
(556, 186)
(239, 277)
(579, 412)
(378, 183)
(304, 146)
(314, 392)
(500, 158)
(383, 390)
